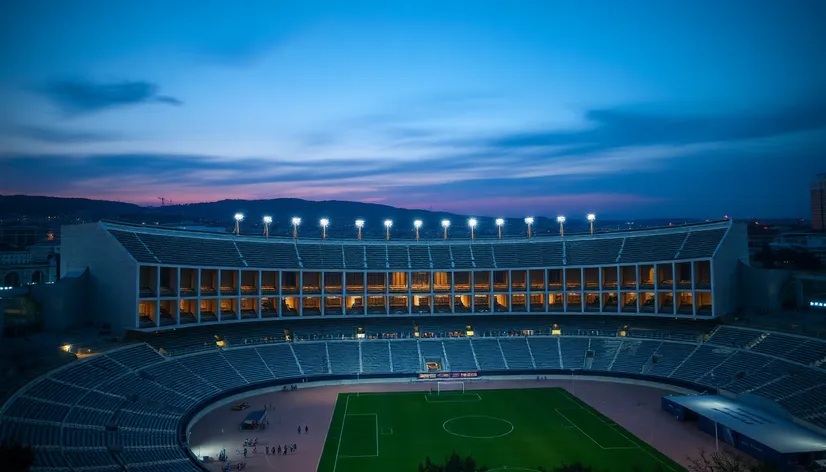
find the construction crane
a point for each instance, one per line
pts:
(163, 201)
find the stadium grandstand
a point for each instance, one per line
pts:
(212, 316)
(152, 278)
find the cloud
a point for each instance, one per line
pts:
(613, 128)
(76, 97)
(56, 135)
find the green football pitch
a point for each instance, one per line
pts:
(504, 430)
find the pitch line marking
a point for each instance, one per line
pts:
(444, 426)
(576, 400)
(592, 439)
(341, 432)
(376, 416)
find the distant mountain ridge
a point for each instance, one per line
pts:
(342, 215)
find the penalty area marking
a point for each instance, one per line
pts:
(444, 426)
(464, 398)
(376, 416)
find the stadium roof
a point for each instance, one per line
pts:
(153, 245)
(779, 434)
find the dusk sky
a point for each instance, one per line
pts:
(696, 108)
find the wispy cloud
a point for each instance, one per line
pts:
(76, 97)
(51, 135)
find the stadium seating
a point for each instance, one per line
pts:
(67, 414)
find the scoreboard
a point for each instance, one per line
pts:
(447, 375)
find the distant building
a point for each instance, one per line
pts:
(36, 264)
(819, 203)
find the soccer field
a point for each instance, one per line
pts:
(516, 430)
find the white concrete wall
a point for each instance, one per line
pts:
(112, 274)
(732, 250)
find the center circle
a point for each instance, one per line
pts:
(478, 427)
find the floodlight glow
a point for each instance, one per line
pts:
(388, 223)
(472, 222)
(268, 219)
(417, 224)
(560, 219)
(324, 222)
(359, 223)
(296, 221)
(529, 220)
(591, 217)
(239, 216)
(500, 221)
(445, 223)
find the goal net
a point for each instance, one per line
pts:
(449, 387)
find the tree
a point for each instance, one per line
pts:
(454, 463)
(725, 460)
(16, 457)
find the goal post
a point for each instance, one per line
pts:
(450, 387)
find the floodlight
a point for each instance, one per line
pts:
(500, 221)
(296, 221)
(560, 219)
(239, 216)
(445, 223)
(388, 223)
(591, 217)
(267, 219)
(472, 222)
(417, 224)
(529, 220)
(359, 223)
(324, 222)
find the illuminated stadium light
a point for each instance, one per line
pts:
(295, 221)
(417, 224)
(529, 222)
(267, 222)
(359, 225)
(238, 218)
(445, 225)
(324, 222)
(387, 225)
(591, 218)
(472, 223)
(561, 221)
(499, 223)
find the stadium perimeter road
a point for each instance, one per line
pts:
(634, 407)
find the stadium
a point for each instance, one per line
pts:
(443, 344)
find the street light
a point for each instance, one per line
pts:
(529, 222)
(387, 225)
(359, 225)
(324, 223)
(417, 224)
(267, 222)
(499, 223)
(238, 218)
(472, 223)
(445, 225)
(591, 218)
(561, 221)
(296, 221)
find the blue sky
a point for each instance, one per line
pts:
(624, 108)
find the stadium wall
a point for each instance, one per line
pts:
(762, 290)
(113, 274)
(733, 249)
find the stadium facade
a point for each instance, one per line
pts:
(147, 278)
